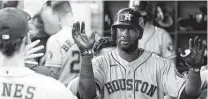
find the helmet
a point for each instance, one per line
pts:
(127, 17)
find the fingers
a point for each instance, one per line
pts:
(31, 62)
(196, 42)
(78, 27)
(83, 28)
(34, 56)
(190, 43)
(203, 46)
(33, 44)
(34, 50)
(199, 47)
(93, 35)
(74, 31)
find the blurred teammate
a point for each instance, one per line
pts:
(154, 39)
(62, 55)
(17, 81)
(130, 72)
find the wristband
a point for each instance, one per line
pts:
(195, 69)
(86, 52)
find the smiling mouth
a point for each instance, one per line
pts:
(124, 42)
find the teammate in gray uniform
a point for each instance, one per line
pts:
(16, 80)
(130, 72)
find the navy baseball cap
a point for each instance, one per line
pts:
(13, 24)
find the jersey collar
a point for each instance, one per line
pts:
(143, 57)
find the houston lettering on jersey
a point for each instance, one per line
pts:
(123, 84)
(17, 91)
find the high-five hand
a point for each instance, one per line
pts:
(194, 55)
(83, 42)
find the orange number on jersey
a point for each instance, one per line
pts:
(76, 61)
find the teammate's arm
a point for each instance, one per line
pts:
(87, 85)
(167, 49)
(53, 57)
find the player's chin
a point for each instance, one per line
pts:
(124, 47)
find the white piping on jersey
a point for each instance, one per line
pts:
(127, 69)
(135, 71)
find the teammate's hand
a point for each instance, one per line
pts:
(31, 52)
(193, 56)
(80, 37)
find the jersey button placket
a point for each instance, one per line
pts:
(129, 76)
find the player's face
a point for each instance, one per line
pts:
(127, 38)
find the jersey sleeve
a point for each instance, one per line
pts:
(53, 53)
(99, 73)
(167, 50)
(171, 82)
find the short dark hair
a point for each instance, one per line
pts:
(62, 8)
(8, 48)
(13, 28)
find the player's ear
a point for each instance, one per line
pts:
(26, 40)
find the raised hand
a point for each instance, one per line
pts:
(31, 52)
(194, 56)
(83, 42)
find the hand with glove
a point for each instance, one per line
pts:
(84, 43)
(194, 56)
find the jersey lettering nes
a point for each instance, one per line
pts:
(23, 83)
(147, 77)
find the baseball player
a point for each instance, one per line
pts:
(154, 39)
(16, 80)
(130, 72)
(62, 55)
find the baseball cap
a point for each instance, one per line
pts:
(13, 24)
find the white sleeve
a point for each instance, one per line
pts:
(54, 54)
(171, 82)
(167, 49)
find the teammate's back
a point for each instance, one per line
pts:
(16, 80)
(23, 83)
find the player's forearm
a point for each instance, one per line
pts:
(193, 86)
(87, 85)
(44, 71)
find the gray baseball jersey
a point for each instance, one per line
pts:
(148, 77)
(157, 40)
(61, 52)
(23, 83)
